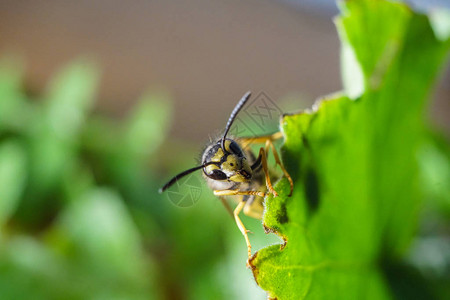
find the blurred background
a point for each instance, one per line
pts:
(103, 101)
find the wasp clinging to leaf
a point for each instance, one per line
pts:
(231, 169)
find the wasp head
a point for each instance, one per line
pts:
(228, 164)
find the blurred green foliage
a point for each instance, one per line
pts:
(80, 216)
(362, 160)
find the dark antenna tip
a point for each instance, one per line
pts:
(233, 115)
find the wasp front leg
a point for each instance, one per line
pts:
(241, 226)
(237, 192)
(236, 213)
(263, 158)
(269, 143)
(247, 141)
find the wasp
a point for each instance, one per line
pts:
(232, 170)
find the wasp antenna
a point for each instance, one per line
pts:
(177, 177)
(181, 175)
(233, 115)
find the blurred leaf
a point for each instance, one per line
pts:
(99, 226)
(14, 111)
(54, 137)
(440, 22)
(78, 181)
(31, 269)
(143, 132)
(148, 124)
(122, 153)
(375, 31)
(395, 93)
(27, 268)
(11, 76)
(12, 177)
(70, 96)
(357, 190)
(435, 175)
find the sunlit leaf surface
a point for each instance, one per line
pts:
(354, 161)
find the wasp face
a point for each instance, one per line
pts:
(230, 165)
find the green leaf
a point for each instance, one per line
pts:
(434, 162)
(70, 96)
(57, 125)
(100, 228)
(147, 124)
(357, 188)
(15, 111)
(12, 177)
(440, 22)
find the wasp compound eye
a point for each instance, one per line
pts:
(235, 149)
(217, 175)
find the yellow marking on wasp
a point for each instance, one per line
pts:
(218, 156)
(210, 168)
(231, 163)
(238, 178)
(227, 145)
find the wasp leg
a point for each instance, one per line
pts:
(239, 208)
(236, 212)
(263, 155)
(246, 141)
(237, 192)
(241, 227)
(278, 161)
(268, 140)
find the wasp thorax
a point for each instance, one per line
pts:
(230, 164)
